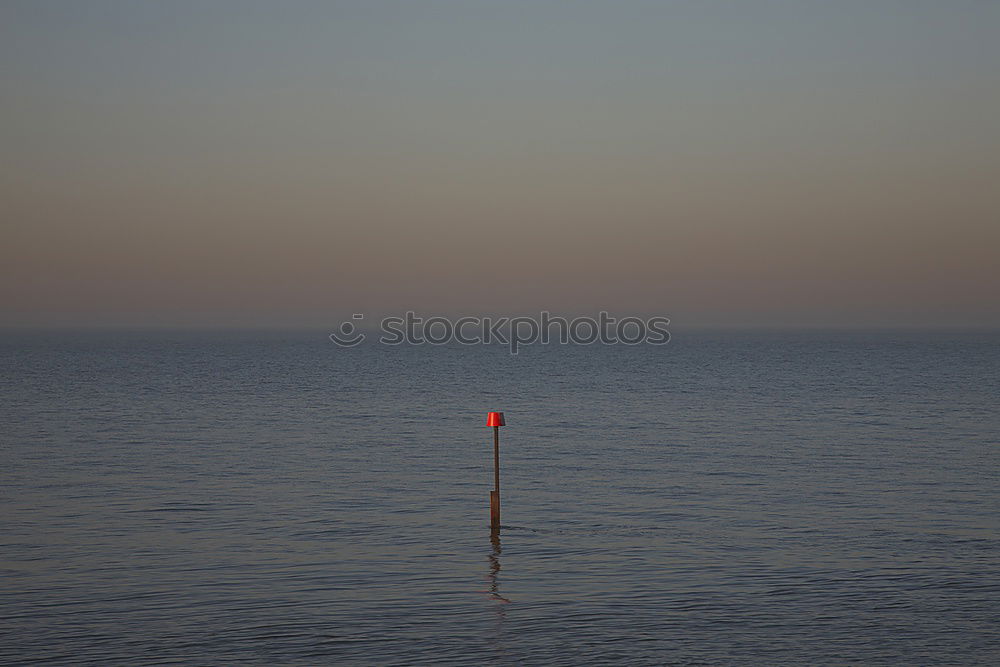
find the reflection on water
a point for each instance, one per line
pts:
(494, 558)
(496, 638)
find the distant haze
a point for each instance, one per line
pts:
(287, 163)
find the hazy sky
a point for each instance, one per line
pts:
(287, 163)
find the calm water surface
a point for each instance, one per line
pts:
(808, 498)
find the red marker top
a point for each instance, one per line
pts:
(495, 419)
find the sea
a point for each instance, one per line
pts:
(271, 498)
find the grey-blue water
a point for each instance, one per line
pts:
(218, 499)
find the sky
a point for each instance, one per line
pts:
(245, 163)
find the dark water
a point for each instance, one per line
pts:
(725, 499)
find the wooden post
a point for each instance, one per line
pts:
(494, 512)
(495, 494)
(496, 420)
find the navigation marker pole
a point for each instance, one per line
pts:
(495, 419)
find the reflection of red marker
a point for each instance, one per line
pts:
(495, 419)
